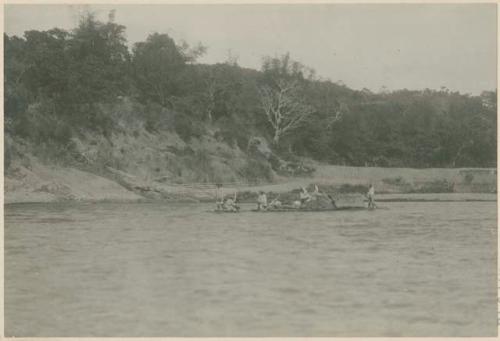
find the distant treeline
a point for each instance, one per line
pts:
(62, 83)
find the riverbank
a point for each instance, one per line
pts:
(42, 183)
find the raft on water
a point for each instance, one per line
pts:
(224, 211)
(321, 203)
(313, 209)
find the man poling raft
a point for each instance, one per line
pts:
(262, 201)
(225, 204)
(370, 195)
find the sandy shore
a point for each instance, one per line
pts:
(42, 183)
(54, 184)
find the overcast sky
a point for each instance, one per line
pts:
(398, 46)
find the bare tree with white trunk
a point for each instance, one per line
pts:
(284, 107)
(282, 100)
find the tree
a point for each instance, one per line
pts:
(281, 95)
(46, 63)
(99, 60)
(284, 108)
(221, 86)
(15, 67)
(210, 95)
(66, 75)
(158, 64)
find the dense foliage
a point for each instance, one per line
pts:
(59, 83)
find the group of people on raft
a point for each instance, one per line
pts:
(229, 204)
(304, 198)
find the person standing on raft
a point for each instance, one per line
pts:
(262, 201)
(371, 196)
(219, 197)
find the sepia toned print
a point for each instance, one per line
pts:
(274, 170)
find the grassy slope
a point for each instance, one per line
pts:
(135, 163)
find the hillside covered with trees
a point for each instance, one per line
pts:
(83, 98)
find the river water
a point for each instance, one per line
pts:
(412, 269)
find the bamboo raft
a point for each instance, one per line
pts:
(313, 209)
(282, 210)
